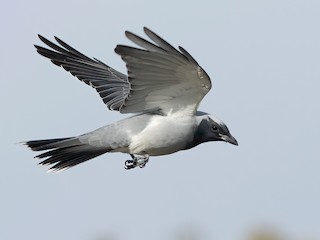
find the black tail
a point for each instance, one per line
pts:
(64, 153)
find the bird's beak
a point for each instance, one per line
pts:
(229, 139)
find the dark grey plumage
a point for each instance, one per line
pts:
(64, 152)
(111, 85)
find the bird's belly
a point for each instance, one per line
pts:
(162, 136)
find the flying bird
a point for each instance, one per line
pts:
(163, 88)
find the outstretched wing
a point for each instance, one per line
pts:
(159, 76)
(111, 85)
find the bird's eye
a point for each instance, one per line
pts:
(214, 128)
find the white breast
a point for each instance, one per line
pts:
(164, 134)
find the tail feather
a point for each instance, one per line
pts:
(39, 145)
(64, 153)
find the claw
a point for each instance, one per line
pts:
(136, 161)
(142, 166)
(129, 164)
(142, 163)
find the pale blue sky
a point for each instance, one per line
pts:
(263, 58)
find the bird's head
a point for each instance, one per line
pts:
(210, 128)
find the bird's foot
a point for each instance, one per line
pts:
(129, 164)
(137, 161)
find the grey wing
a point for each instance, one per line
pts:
(111, 85)
(161, 77)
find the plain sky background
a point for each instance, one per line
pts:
(264, 61)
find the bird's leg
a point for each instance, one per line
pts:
(137, 160)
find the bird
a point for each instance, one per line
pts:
(162, 91)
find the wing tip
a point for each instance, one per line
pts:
(42, 38)
(146, 30)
